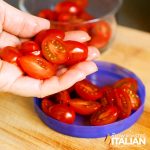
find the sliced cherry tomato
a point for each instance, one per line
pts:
(53, 33)
(84, 107)
(63, 97)
(67, 7)
(30, 47)
(127, 82)
(62, 113)
(123, 103)
(88, 91)
(104, 115)
(45, 105)
(47, 14)
(36, 67)
(81, 3)
(10, 54)
(55, 50)
(77, 52)
(134, 98)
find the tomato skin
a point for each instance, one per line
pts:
(88, 91)
(45, 105)
(36, 67)
(134, 98)
(67, 7)
(77, 52)
(62, 113)
(130, 83)
(67, 17)
(10, 54)
(104, 115)
(47, 14)
(84, 107)
(63, 97)
(81, 3)
(86, 16)
(53, 33)
(55, 50)
(123, 103)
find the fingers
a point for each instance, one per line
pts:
(79, 36)
(7, 39)
(19, 23)
(93, 53)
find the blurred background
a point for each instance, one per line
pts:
(133, 13)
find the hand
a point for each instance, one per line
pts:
(15, 25)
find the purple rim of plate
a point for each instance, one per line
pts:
(108, 73)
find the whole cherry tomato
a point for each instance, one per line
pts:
(104, 115)
(30, 47)
(123, 103)
(134, 98)
(53, 33)
(127, 82)
(63, 97)
(47, 14)
(86, 16)
(84, 107)
(77, 52)
(88, 91)
(67, 7)
(62, 113)
(36, 67)
(45, 105)
(9, 54)
(81, 3)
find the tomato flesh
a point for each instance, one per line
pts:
(84, 107)
(88, 91)
(63, 97)
(10, 54)
(104, 115)
(36, 67)
(77, 52)
(62, 113)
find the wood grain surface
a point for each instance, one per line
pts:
(21, 129)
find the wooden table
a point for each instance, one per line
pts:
(21, 129)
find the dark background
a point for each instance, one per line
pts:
(133, 13)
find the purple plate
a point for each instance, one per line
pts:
(108, 73)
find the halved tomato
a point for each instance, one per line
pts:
(77, 52)
(55, 50)
(104, 115)
(10, 54)
(84, 107)
(88, 91)
(36, 67)
(130, 83)
(62, 113)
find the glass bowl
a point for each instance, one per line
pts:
(101, 10)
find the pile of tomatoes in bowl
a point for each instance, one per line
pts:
(99, 105)
(41, 57)
(72, 15)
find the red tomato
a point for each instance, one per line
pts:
(36, 67)
(105, 115)
(86, 16)
(62, 113)
(45, 105)
(81, 3)
(127, 82)
(134, 98)
(77, 52)
(9, 54)
(67, 17)
(47, 14)
(63, 97)
(101, 33)
(67, 7)
(84, 107)
(30, 47)
(55, 50)
(53, 33)
(123, 103)
(88, 91)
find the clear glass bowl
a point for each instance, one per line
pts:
(102, 10)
